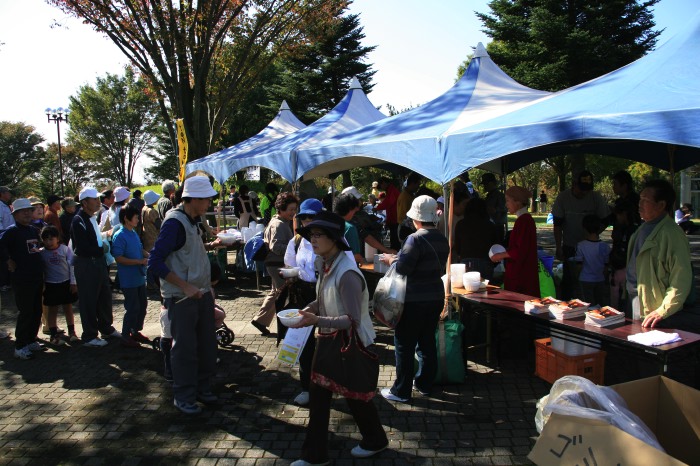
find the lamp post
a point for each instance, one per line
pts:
(58, 115)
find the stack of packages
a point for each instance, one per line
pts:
(569, 309)
(540, 305)
(604, 317)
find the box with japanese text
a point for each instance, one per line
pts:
(670, 409)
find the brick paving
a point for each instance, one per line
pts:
(111, 405)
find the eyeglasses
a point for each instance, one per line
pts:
(317, 235)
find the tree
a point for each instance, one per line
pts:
(201, 57)
(552, 44)
(20, 154)
(165, 162)
(113, 124)
(316, 75)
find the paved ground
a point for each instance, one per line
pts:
(79, 405)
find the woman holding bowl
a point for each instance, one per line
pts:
(342, 302)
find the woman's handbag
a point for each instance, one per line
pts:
(344, 366)
(388, 298)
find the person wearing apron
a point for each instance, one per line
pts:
(244, 208)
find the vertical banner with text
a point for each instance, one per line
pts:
(181, 146)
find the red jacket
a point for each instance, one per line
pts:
(389, 204)
(522, 274)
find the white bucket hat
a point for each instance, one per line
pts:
(352, 190)
(121, 194)
(21, 204)
(198, 187)
(150, 197)
(88, 192)
(423, 209)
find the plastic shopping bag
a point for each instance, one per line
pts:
(389, 297)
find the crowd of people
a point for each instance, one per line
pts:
(60, 251)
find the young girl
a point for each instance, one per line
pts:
(60, 288)
(521, 256)
(131, 268)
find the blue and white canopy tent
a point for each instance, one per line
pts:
(414, 139)
(280, 155)
(648, 111)
(217, 164)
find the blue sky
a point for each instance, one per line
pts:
(419, 47)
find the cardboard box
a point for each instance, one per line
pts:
(670, 409)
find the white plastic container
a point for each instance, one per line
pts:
(456, 273)
(573, 345)
(379, 266)
(370, 252)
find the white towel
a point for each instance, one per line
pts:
(654, 338)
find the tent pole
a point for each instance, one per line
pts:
(504, 185)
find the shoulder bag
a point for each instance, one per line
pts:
(344, 366)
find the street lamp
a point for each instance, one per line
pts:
(58, 115)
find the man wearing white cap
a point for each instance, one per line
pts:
(179, 258)
(121, 195)
(20, 242)
(91, 272)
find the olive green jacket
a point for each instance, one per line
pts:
(664, 271)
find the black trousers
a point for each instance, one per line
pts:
(315, 447)
(94, 296)
(28, 301)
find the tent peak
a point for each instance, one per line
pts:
(355, 83)
(284, 106)
(480, 51)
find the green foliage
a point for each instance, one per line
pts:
(113, 124)
(315, 77)
(164, 159)
(552, 45)
(20, 155)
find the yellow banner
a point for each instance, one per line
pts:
(182, 146)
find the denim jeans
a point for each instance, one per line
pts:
(415, 334)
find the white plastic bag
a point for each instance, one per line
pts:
(579, 397)
(389, 297)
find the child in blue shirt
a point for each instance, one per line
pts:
(592, 255)
(131, 268)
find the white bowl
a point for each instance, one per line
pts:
(289, 272)
(228, 238)
(289, 317)
(472, 286)
(472, 277)
(495, 249)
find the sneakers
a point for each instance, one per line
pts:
(140, 337)
(422, 392)
(24, 353)
(35, 347)
(74, 338)
(386, 393)
(114, 334)
(4, 334)
(302, 399)
(96, 343)
(359, 452)
(129, 342)
(263, 330)
(5, 288)
(306, 463)
(56, 340)
(207, 397)
(187, 408)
